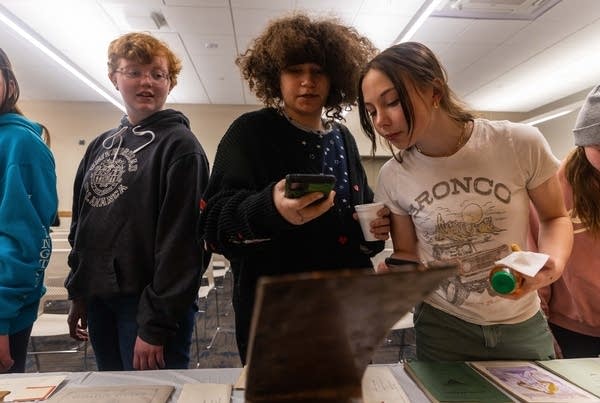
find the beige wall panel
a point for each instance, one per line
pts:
(70, 122)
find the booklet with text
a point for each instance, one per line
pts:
(445, 382)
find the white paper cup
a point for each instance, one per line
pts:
(366, 214)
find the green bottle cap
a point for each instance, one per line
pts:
(503, 282)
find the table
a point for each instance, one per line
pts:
(178, 378)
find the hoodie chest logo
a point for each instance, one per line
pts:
(105, 184)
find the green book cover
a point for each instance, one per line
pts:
(453, 382)
(583, 372)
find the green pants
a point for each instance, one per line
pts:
(444, 337)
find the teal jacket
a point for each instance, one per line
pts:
(28, 204)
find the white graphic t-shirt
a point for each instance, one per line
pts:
(472, 206)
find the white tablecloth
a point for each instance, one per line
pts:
(178, 378)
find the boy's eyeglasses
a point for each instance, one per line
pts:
(158, 76)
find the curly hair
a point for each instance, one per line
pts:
(340, 50)
(585, 182)
(142, 48)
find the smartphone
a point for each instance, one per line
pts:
(402, 265)
(297, 185)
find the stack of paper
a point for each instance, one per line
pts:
(30, 388)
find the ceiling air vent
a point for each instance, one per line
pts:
(495, 9)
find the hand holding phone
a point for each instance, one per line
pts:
(298, 185)
(401, 265)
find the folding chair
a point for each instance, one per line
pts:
(52, 324)
(220, 268)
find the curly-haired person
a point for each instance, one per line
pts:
(298, 67)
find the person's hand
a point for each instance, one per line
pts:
(544, 277)
(380, 227)
(382, 268)
(77, 320)
(147, 356)
(6, 361)
(301, 210)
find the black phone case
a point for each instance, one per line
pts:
(297, 185)
(401, 264)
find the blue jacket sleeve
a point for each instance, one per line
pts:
(28, 205)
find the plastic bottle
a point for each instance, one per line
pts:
(505, 280)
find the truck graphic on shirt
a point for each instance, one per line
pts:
(460, 240)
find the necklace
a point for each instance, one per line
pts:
(327, 126)
(462, 139)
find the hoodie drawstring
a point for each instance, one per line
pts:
(109, 142)
(143, 133)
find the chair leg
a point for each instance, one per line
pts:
(217, 307)
(212, 340)
(196, 339)
(85, 355)
(36, 356)
(205, 315)
(402, 345)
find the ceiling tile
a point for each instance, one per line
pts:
(197, 3)
(263, 4)
(252, 21)
(209, 44)
(381, 29)
(438, 29)
(492, 32)
(199, 20)
(489, 62)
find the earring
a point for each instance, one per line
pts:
(436, 104)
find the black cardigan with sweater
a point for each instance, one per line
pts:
(240, 220)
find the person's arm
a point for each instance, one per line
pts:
(6, 361)
(404, 240)
(238, 208)
(29, 203)
(178, 260)
(554, 236)
(545, 293)
(381, 225)
(77, 317)
(24, 232)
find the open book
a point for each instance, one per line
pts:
(583, 372)
(531, 383)
(313, 334)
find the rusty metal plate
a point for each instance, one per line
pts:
(313, 334)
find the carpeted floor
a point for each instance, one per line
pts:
(221, 353)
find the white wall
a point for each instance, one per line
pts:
(70, 122)
(559, 133)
